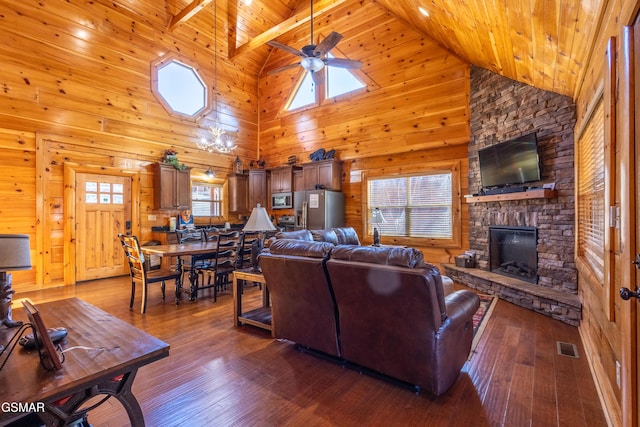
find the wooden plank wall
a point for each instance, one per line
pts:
(415, 111)
(76, 87)
(394, 164)
(18, 193)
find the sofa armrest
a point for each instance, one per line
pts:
(460, 306)
(454, 337)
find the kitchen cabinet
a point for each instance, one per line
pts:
(326, 174)
(257, 188)
(238, 193)
(172, 187)
(282, 179)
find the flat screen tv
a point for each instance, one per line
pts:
(510, 162)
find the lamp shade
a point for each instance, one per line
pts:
(14, 252)
(376, 217)
(259, 220)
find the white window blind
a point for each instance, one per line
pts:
(414, 206)
(591, 207)
(206, 199)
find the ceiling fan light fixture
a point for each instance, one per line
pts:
(312, 63)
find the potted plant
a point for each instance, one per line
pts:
(171, 157)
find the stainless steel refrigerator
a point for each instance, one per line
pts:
(318, 209)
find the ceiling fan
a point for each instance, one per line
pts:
(314, 57)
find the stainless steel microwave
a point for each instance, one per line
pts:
(281, 201)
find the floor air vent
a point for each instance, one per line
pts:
(567, 349)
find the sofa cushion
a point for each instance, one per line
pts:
(347, 236)
(328, 236)
(385, 255)
(298, 235)
(300, 248)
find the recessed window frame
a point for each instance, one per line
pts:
(320, 92)
(452, 167)
(219, 202)
(163, 62)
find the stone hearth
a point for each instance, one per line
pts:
(559, 305)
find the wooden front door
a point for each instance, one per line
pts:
(103, 209)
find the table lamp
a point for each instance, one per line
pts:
(376, 218)
(14, 255)
(258, 221)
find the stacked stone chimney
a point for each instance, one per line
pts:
(502, 109)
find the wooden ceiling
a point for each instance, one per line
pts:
(544, 43)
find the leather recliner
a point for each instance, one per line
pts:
(394, 318)
(302, 305)
(381, 308)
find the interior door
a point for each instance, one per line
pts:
(634, 318)
(631, 278)
(103, 209)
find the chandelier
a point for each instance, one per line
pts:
(217, 138)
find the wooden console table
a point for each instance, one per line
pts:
(261, 316)
(102, 358)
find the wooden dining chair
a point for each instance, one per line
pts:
(140, 273)
(194, 265)
(210, 235)
(225, 261)
(247, 239)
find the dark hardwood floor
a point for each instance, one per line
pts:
(220, 375)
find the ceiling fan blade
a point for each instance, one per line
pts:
(286, 67)
(317, 78)
(327, 44)
(286, 48)
(343, 63)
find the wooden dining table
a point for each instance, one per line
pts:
(180, 250)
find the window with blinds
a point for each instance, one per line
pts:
(590, 185)
(206, 199)
(413, 206)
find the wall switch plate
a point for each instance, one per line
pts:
(618, 373)
(151, 217)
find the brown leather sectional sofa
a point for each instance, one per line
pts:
(379, 308)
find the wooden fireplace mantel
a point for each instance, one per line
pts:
(542, 193)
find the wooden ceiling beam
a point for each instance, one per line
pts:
(303, 17)
(185, 14)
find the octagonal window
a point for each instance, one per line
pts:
(179, 88)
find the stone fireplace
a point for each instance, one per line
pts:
(500, 110)
(513, 253)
